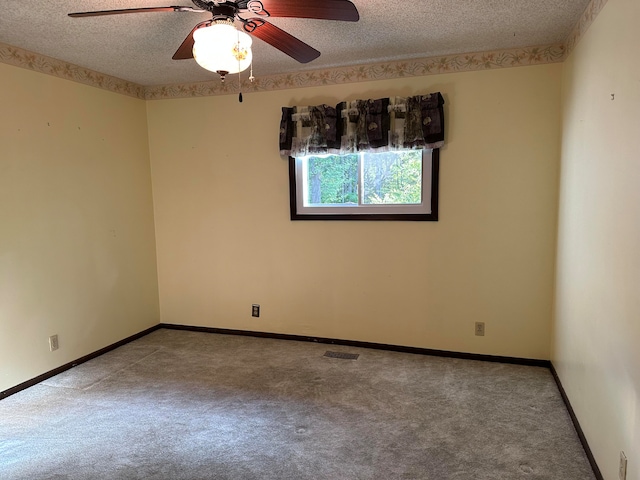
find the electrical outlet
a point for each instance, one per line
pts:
(622, 470)
(255, 310)
(480, 329)
(53, 343)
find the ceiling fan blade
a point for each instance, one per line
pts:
(185, 50)
(321, 9)
(134, 10)
(281, 40)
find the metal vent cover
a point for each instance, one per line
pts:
(342, 355)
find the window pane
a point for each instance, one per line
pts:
(332, 180)
(392, 178)
(325, 187)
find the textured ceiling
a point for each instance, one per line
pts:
(138, 47)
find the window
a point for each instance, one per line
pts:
(393, 185)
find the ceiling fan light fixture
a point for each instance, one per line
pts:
(219, 46)
(222, 48)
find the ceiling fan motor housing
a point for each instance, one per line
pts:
(220, 10)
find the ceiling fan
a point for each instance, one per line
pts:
(228, 11)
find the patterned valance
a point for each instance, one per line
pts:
(395, 123)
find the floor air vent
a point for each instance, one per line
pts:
(342, 355)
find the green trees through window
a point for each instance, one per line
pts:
(386, 178)
(333, 179)
(397, 185)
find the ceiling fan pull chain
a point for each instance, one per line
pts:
(239, 74)
(251, 78)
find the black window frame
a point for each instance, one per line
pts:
(420, 217)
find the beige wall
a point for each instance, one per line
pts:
(77, 251)
(225, 240)
(597, 317)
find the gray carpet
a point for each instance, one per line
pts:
(185, 405)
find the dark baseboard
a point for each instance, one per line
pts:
(283, 336)
(419, 351)
(67, 366)
(354, 343)
(331, 341)
(576, 424)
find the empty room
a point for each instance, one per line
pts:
(372, 240)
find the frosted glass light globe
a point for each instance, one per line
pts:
(222, 48)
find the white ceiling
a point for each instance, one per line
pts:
(139, 47)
